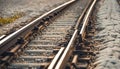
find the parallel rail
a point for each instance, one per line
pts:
(10, 45)
(61, 58)
(70, 48)
(10, 40)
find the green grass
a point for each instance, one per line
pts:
(11, 19)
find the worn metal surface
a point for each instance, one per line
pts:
(10, 40)
(70, 47)
(47, 43)
(46, 48)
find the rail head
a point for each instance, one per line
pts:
(11, 39)
(68, 51)
(54, 61)
(65, 56)
(82, 15)
(86, 19)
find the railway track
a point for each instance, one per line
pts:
(56, 40)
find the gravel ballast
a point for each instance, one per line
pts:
(30, 9)
(108, 34)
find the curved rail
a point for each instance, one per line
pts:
(69, 49)
(10, 40)
(86, 19)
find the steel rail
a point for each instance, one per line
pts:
(64, 58)
(86, 19)
(10, 40)
(52, 66)
(1, 37)
(81, 16)
(69, 49)
(54, 61)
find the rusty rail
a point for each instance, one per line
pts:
(86, 19)
(11, 39)
(69, 49)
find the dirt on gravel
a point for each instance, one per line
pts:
(108, 34)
